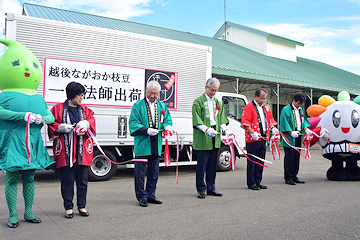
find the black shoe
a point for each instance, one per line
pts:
(214, 193)
(154, 200)
(290, 182)
(262, 186)
(201, 195)
(69, 215)
(84, 214)
(254, 187)
(36, 220)
(13, 225)
(143, 203)
(299, 181)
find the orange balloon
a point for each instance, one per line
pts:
(326, 100)
(315, 110)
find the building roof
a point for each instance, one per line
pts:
(228, 58)
(256, 31)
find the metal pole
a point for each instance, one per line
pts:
(311, 96)
(278, 103)
(237, 85)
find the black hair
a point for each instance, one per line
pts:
(258, 91)
(299, 97)
(73, 89)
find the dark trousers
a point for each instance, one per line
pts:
(254, 171)
(151, 169)
(292, 161)
(78, 173)
(206, 163)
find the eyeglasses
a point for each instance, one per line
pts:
(154, 93)
(212, 90)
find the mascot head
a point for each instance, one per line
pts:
(340, 118)
(20, 70)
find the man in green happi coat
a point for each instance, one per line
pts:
(147, 117)
(209, 118)
(293, 124)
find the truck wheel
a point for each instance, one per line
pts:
(101, 169)
(223, 159)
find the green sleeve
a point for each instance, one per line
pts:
(196, 114)
(11, 115)
(223, 117)
(49, 118)
(135, 119)
(306, 122)
(167, 117)
(285, 116)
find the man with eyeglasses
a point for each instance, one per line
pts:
(209, 118)
(147, 119)
(293, 124)
(257, 120)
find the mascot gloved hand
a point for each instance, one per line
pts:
(22, 148)
(337, 123)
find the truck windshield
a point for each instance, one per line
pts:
(233, 106)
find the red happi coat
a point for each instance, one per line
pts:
(59, 142)
(250, 119)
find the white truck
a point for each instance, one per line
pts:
(68, 52)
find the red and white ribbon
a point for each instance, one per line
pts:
(92, 136)
(298, 149)
(28, 134)
(274, 148)
(27, 139)
(229, 142)
(167, 134)
(254, 156)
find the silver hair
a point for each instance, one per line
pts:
(153, 85)
(212, 81)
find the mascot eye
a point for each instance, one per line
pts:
(16, 63)
(354, 118)
(336, 118)
(35, 65)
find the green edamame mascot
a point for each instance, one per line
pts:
(23, 113)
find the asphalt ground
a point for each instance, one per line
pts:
(318, 209)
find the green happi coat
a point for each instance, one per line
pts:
(200, 115)
(139, 119)
(287, 123)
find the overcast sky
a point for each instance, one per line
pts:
(330, 29)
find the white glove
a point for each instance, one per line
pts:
(83, 125)
(326, 135)
(294, 134)
(275, 130)
(170, 128)
(68, 127)
(38, 119)
(31, 118)
(255, 136)
(211, 132)
(308, 131)
(152, 131)
(228, 132)
(64, 128)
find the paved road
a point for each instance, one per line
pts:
(319, 209)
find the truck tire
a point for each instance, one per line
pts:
(223, 159)
(101, 169)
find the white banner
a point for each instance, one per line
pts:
(106, 85)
